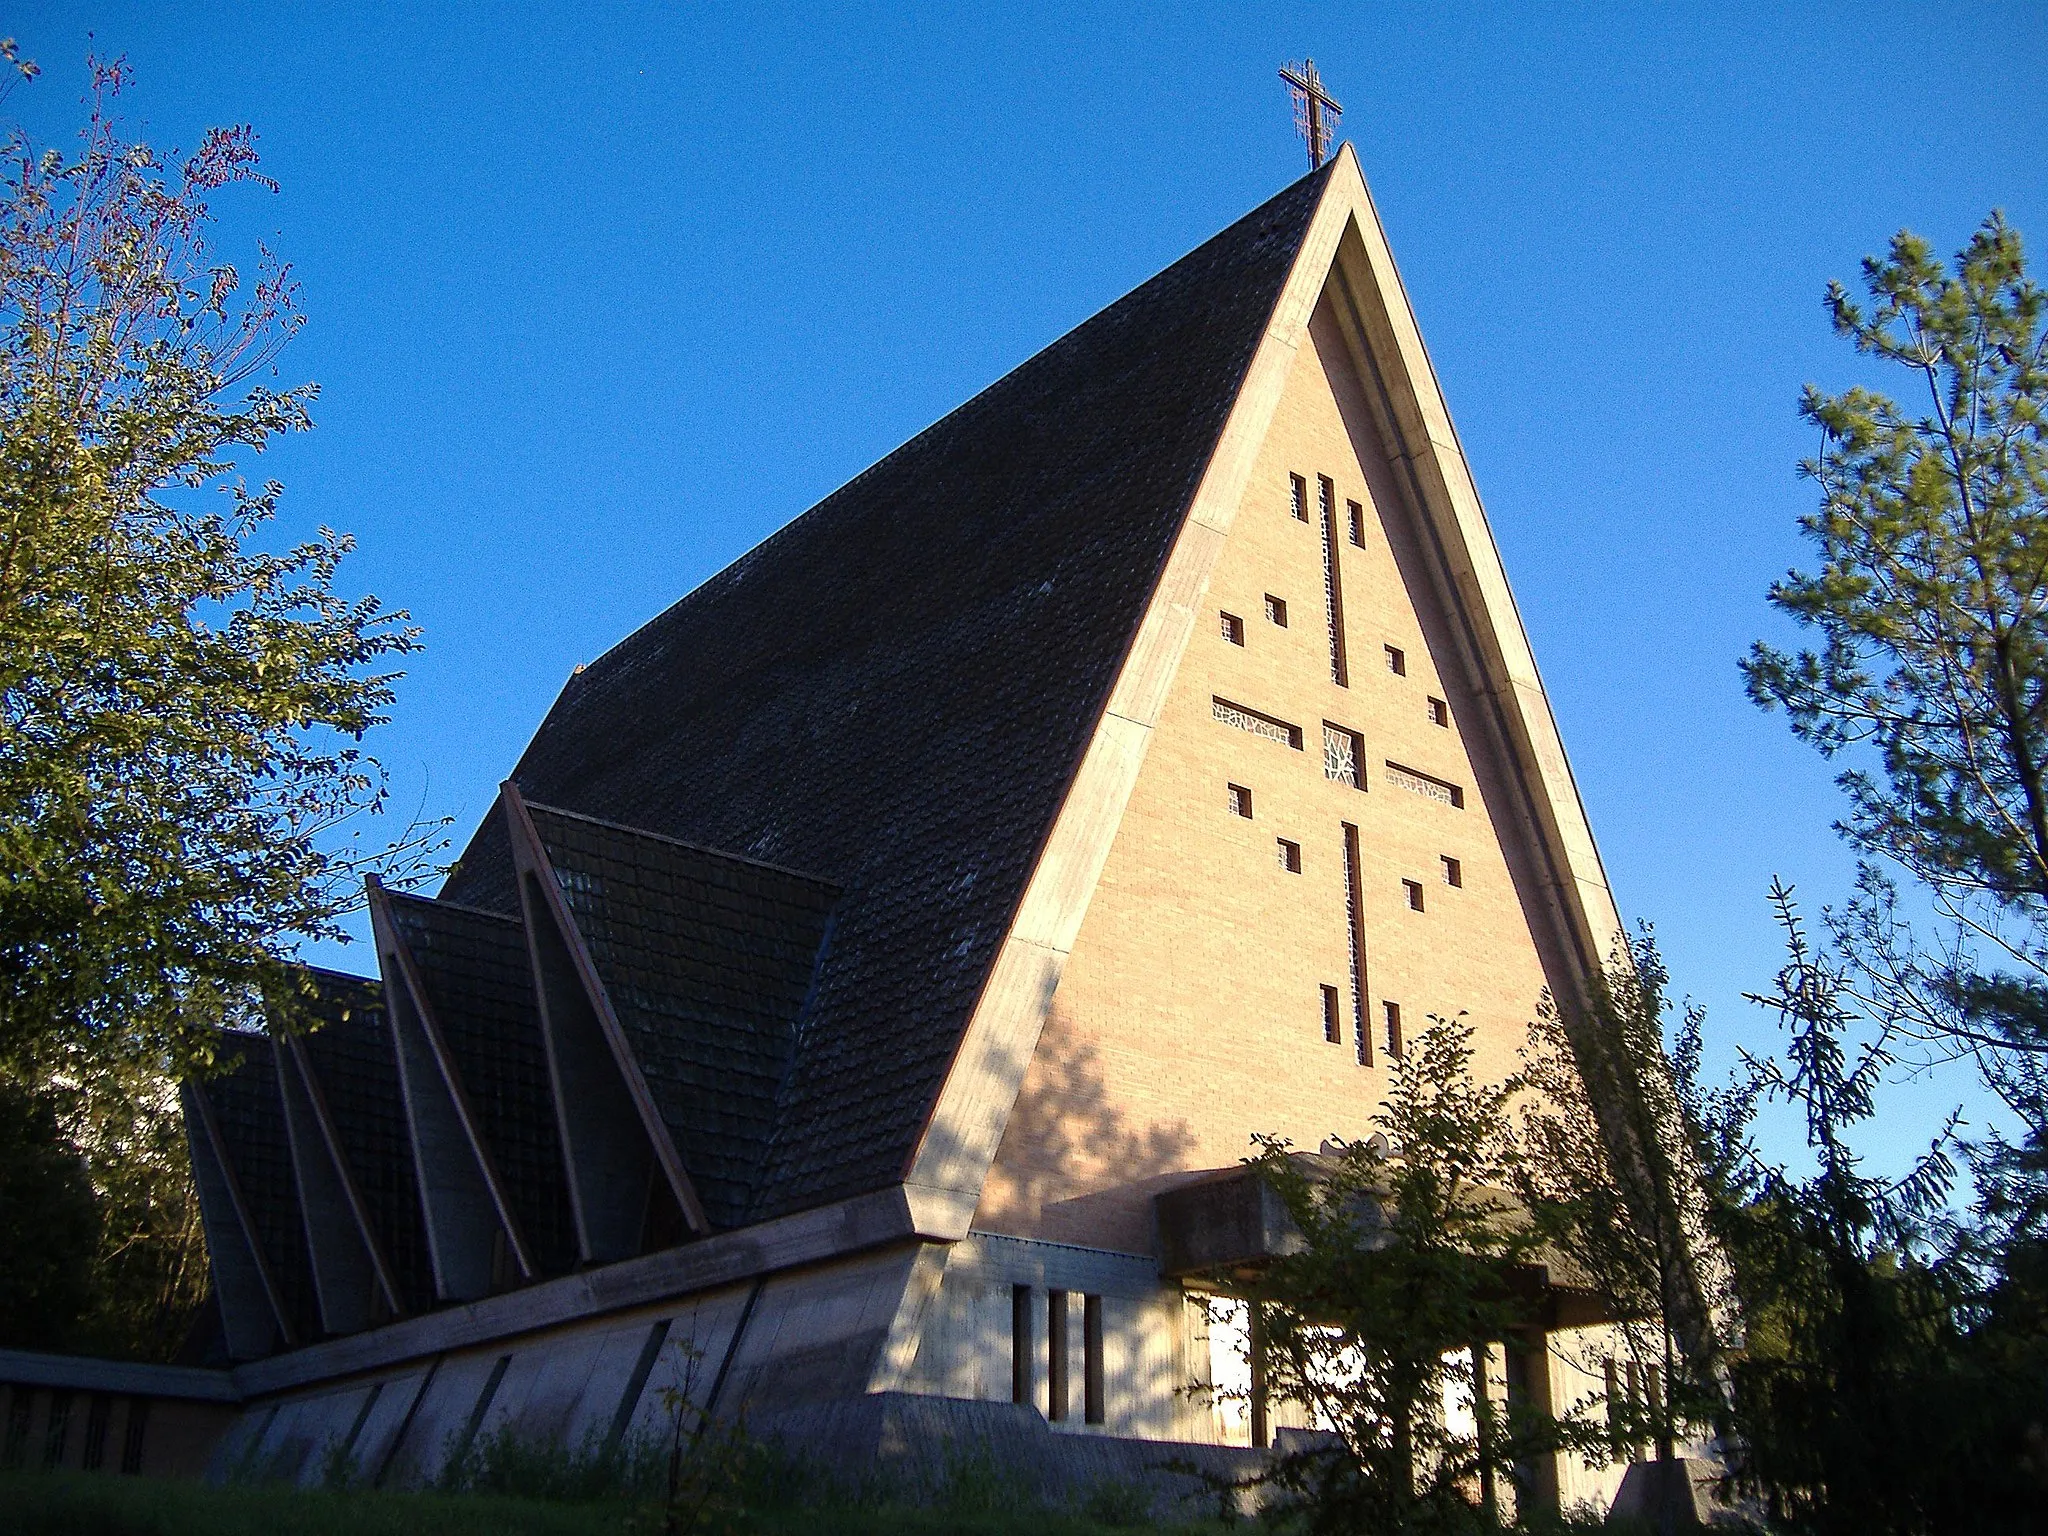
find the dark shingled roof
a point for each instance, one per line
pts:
(474, 968)
(350, 1050)
(249, 1109)
(893, 692)
(708, 960)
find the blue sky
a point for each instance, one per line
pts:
(600, 295)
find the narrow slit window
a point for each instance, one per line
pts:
(1439, 713)
(98, 1412)
(1258, 724)
(1354, 933)
(1396, 1046)
(1020, 1343)
(56, 1427)
(135, 1431)
(1333, 1017)
(1297, 497)
(1333, 585)
(1240, 801)
(1290, 856)
(1454, 872)
(1091, 1360)
(1056, 1355)
(1414, 890)
(1426, 785)
(1276, 609)
(1357, 523)
(1397, 661)
(1343, 755)
(1233, 629)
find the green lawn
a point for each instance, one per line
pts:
(97, 1504)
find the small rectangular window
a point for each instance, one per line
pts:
(1276, 609)
(1343, 755)
(1414, 890)
(1091, 1359)
(1056, 1355)
(1454, 872)
(1297, 497)
(1233, 629)
(1290, 856)
(1240, 801)
(1020, 1343)
(1396, 1046)
(1333, 1018)
(1397, 661)
(1439, 713)
(1357, 523)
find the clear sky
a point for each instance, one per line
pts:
(599, 295)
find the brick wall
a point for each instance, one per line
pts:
(1190, 1014)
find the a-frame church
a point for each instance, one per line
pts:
(874, 970)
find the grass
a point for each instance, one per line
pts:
(97, 1504)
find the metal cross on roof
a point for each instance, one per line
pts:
(1315, 110)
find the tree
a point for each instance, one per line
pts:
(1877, 1390)
(49, 1226)
(1412, 1261)
(179, 708)
(1609, 1178)
(1931, 603)
(182, 782)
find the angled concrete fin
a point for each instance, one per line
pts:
(461, 1193)
(613, 1139)
(348, 1273)
(253, 1315)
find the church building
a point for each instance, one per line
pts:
(857, 1006)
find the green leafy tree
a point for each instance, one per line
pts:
(150, 1277)
(1931, 669)
(1608, 1175)
(179, 708)
(49, 1224)
(1413, 1259)
(182, 787)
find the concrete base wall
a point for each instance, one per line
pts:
(923, 1449)
(78, 1413)
(833, 1330)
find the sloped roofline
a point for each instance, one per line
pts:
(1344, 249)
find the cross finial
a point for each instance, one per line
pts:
(1315, 110)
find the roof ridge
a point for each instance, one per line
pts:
(677, 842)
(458, 906)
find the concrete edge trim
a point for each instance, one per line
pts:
(90, 1373)
(867, 1221)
